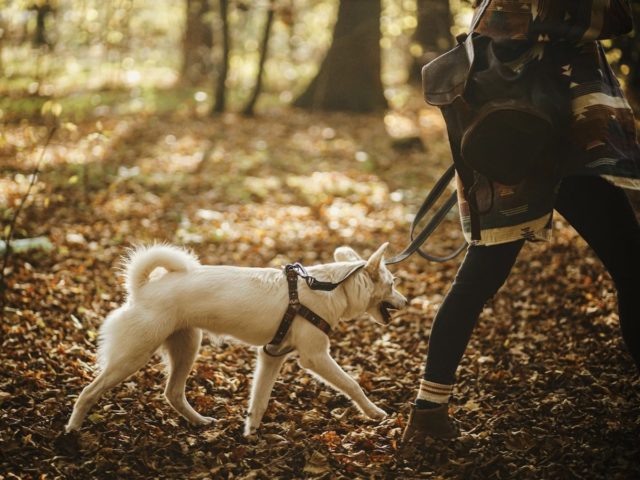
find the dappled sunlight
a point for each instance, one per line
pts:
(122, 206)
(317, 140)
(172, 154)
(322, 186)
(340, 209)
(73, 145)
(12, 189)
(258, 225)
(400, 126)
(431, 122)
(263, 187)
(348, 218)
(89, 54)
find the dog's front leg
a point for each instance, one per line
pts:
(267, 369)
(326, 367)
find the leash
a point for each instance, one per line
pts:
(292, 272)
(416, 241)
(314, 283)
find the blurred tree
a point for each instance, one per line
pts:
(220, 89)
(3, 34)
(197, 41)
(432, 36)
(349, 77)
(249, 109)
(43, 9)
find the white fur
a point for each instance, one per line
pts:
(245, 303)
(143, 260)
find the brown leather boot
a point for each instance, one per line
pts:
(429, 422)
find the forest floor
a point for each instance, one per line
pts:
(546, 388)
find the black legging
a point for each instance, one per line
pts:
(601, 214)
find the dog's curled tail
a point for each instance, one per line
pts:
(141, 261)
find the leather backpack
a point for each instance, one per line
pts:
(504, 114)
(505, 118)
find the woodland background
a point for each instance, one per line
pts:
(261, 133)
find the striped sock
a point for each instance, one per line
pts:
(432, 392)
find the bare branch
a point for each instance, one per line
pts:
(16, 214)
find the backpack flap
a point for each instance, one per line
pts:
(445, 78)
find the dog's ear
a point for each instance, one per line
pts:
(345, 254)
(373, 264)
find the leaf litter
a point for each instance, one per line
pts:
(545, 389)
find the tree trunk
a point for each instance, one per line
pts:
(220, 90)
(40, 36)
(248, 110)
(349, 77)
(433, 34)
(2, 34)
(197, 42)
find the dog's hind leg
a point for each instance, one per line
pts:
(322, 364)
(182, 348)
(267, 369)
(114, 372)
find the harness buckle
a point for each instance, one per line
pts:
(292, 279)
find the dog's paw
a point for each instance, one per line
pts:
(376, 413)
(69, 428)
(202, 420)
(249, 431)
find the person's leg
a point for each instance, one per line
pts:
(482, 272)
(601, 213)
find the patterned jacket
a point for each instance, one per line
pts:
(602, 138)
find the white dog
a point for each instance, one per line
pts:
(248, 304)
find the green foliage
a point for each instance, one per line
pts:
(125, 46)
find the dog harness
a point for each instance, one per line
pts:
(292, 272)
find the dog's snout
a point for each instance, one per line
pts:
(399, 300)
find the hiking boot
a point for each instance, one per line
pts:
(429, 422)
